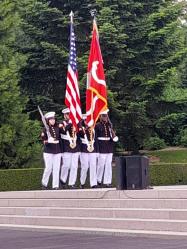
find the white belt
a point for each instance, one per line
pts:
(104, 138)
(83, 140)
(64, 137)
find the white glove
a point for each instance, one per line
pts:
(55, 141)
(51, 140)
(115, 139)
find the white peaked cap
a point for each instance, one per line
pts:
(104, 112)
(49, 115)
(66, 110)
(84, 116)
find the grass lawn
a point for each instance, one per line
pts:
(170, 156)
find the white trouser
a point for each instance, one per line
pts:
(52, 165)
(104, 166)
(70, 162)
(88, 161)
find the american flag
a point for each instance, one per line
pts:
(72, 97)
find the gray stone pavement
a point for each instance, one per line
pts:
(20, 239)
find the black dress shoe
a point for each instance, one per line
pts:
(149, 187)
(82, 186)
(95, 186)
(108, 185)
(62, 185)
(99, 184)
(72, 187)
(44, 187)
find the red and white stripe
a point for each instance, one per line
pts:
(72, 97)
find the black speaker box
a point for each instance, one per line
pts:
(132, 172)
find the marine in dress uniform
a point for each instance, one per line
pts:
(52, 151)
(71, 150)
(88, 157)
(106, 139)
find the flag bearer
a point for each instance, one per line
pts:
(71, 151)
(88, 157)
(106, 138)
(52, 151)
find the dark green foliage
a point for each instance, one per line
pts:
(148, 58)
(144, 51)
(45, 26)
(169, 126)
(18, 134)
(45, 42)
(154, 143)
(142, 45)
(182, 138)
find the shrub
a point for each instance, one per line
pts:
(183, 138)
(154, 143)
(168, 174)
(20, 179)
(168, 127)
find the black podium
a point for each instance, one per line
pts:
(132, 172)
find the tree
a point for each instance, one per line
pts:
(45, 41)
(44, 74)
(18, 135)
(143, 47)
(154, 49)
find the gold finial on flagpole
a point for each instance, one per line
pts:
(71, 16)
(93, 13)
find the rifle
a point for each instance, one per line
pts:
(112, 132)
(50, 138)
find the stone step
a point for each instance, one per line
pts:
(155, 193)
(97, 203)
(121, 232)
(62, 194)
(162, 210)
(143, 213)
(101, 223)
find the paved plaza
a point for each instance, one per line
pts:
(20, 239)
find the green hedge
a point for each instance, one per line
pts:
(20, 179)
(30, 179)
(168, 174)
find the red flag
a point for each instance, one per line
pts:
(72, 97)
(96, 94)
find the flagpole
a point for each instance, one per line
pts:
(93, 14)
(71, 16)
(96, 85)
